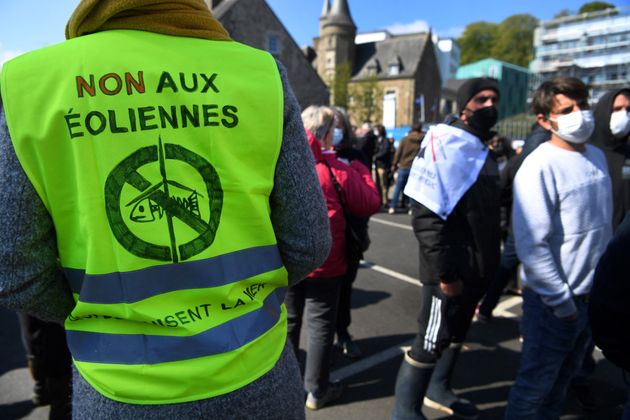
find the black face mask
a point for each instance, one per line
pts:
(484, 119)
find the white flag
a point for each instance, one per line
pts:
(448, 163)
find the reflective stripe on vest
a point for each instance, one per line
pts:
(139, 285)
(145, 349)
(157, 178)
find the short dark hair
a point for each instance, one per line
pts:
(417, 127)
(543, 98)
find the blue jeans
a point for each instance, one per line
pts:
(401, 181)
(626, 407)
(552, 352)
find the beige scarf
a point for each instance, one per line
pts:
(190, 18)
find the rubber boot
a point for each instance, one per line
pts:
(411, 385)
(40, 390)
(440, 396)
(60, 388)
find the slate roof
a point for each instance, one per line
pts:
(406, 50)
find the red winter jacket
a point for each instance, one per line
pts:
(360, 194)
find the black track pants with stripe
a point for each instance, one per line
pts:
(443, 321)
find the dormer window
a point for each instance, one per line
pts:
(394, 67)
(373, 68)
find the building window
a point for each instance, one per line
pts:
(273, 44)
(394, 69)
(330, 59)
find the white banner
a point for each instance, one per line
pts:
(448, 163)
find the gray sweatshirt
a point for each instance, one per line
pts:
(562, 222)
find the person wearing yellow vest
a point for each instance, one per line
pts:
(155, 200)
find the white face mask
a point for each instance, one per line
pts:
(575, 127)
(337, 136)
(620, 123)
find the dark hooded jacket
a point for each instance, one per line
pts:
(617, 150)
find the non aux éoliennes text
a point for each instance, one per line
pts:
(150, 117)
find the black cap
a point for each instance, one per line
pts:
(473, 86)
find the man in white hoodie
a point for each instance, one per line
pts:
(562, 223)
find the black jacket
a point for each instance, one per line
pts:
(367, 146)
(350, 154)
(537, 136)
(384, 153)
(608, 307)
(465, 246)
(616, 150)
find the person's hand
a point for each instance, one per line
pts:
(452, 289)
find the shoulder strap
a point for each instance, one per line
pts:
(337, 186)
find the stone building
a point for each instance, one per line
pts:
(252, 22)
(404, 66)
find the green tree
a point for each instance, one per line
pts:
(562, 13)
(338, 85)
(477, 41)
(366, 100)
(595, 6)
(515, 39)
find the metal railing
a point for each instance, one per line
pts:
(515, 130)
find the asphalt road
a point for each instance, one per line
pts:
(386, 297)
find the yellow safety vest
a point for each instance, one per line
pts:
(155, 156)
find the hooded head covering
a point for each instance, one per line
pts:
(613, 148)
(602, 136)
(473, 86)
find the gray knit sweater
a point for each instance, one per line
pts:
(31, 280)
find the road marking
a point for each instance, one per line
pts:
(391, 273)
(388, 223)
(369, 362)
(503, 308)
(486, 387)
(346, 372)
